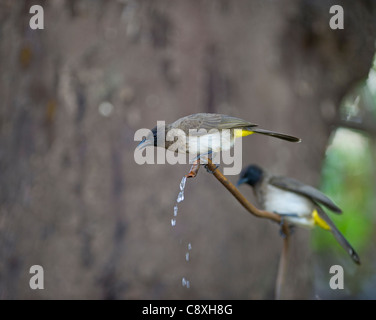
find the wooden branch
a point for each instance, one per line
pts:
(243, 201)
(281, 276)
(367, 126)
(280, 281)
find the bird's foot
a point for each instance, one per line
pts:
(283, 225)
(210, 171)
(282, 232)
(203, 156)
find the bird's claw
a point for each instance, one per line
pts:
(210, 171)
(281, 224)
(282, 233)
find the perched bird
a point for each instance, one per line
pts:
(204, 133)
(296, 202)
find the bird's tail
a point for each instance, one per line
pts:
(275, 134)
(339, 236)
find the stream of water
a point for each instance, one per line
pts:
(180, 198)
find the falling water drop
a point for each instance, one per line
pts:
(180, 197)
(185, 283)
(182, 183)
(181, 193)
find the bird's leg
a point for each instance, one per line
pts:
(194, 169)
(210, 156)
(210, 171)
(281, 232)
(290, 227)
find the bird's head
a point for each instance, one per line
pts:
(153, 138)
(251, 175)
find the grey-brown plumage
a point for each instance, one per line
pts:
(297, 202)
(218, 121)
(296, 186)
(192, 124)
(210, 121)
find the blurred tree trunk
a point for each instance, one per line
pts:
(72, 198)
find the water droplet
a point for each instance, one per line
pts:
(185, 283)
(189, 246)
(182, 183)
(181, 193)
(173, 222)
(187, 256)
(175, 210)
(180, 197)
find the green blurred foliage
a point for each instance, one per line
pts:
(349, 171)
(346, 180)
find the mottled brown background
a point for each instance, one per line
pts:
(72, 198)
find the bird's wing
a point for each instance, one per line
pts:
(210, 121)
(338, 235)
(305, 190)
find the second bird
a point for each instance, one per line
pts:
(296, 202)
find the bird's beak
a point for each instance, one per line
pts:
(144, 143)
(241, 181)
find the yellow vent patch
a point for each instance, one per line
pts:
(242, 133)
(319, 221)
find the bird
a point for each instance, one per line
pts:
(203, 134)
(297, 203)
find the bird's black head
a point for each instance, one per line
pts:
(251, 175)
(154, 132)
(150, 140)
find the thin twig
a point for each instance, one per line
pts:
(281, 276)
(261, 214)
(243, 201)
(367, 125)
